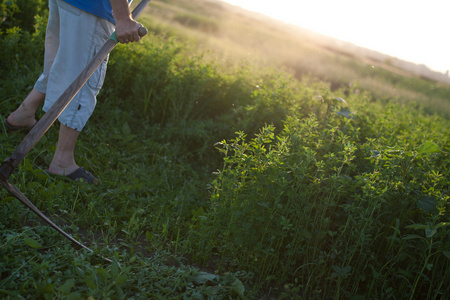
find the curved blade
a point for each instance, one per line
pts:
(19, 195)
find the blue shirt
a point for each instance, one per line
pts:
(99, 8)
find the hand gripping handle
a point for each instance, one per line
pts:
(135, 14)
(142, 31)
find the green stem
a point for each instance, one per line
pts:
(421, 271)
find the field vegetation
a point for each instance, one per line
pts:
(237, 160)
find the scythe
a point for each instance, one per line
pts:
(36, 133)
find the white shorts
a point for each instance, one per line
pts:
(72, 39)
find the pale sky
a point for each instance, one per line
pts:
(412, 30)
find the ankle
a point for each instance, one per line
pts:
(21, 118)
(62, 166)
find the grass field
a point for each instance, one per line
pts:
(237, 160)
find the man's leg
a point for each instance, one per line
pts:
(24, 115)
(63, 162)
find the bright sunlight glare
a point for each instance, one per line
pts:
(412, 30)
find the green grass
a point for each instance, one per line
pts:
(225, 176)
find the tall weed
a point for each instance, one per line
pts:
(296, 208)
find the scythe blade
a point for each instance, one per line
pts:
(22, 198)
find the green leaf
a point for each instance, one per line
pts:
(375, 153)
(305, 233)
(115, 269)
(345, 112)
(263, 204)
(126, 130)
(121, 279)
(33, 185)
(11, 293)
(59, 189)
(27, 165)
(238, 288)
(73, 296)
(203, 277)
(48, 288)
(411, 237)
(340, 100)
(90, 282)
(428, 205)
(428, 147)
(446, 253)
(103, 273)
(429, 232)
(67, 286)
(417, 226)
(341, 271)
(32, 243)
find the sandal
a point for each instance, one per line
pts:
(81, 173)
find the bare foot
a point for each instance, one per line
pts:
(24, 115)
(18, 120)
(62, 170)
(63, 162)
